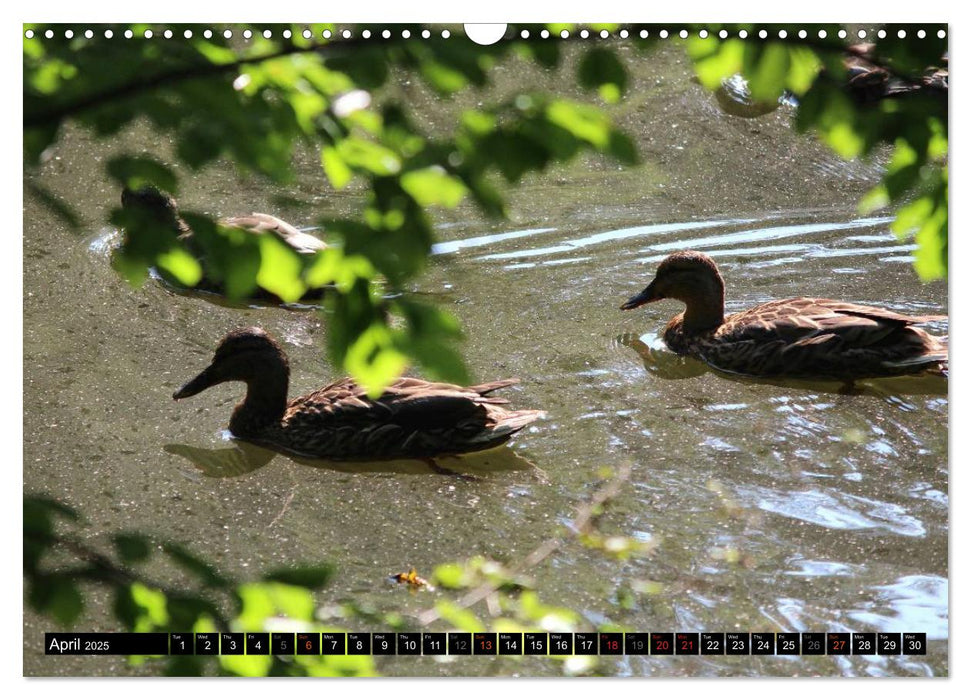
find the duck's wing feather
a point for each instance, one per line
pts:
(412, 416)
(262, 224)
(819, 336)
(805, 321)
(407, 402)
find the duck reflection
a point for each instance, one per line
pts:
(244, 458)
(660, 361)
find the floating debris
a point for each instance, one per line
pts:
(413, 580)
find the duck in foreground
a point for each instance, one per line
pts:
(802, 337)
(413, 418)
(164, 210)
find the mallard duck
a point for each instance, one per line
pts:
(802, 337)
(163, 208)
(412, 418)
(868, 82)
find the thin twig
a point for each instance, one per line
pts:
(581, 525)
(286, 504)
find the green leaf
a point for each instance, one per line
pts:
(152, 606)
(912, 216)
(715, 60)
(930, 259)
(256, 605)
(232, 256)
(280, 269)
(767, 70)
(39, 512)
(622, 148)
(451, 575)
(373, 360)
(845, 140)
(478, 123)
(294, 602)
(179, 263)
(583, 121)
(876, 198)
(433, 185)
(366, 155)
(56, 596)
(332, 266)
(804, 66)
(443, 79)
(135, 171)
(600, 68)
(246, 665)
(335, 168)
(458, 617)
(37, 140)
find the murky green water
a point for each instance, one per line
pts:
(772, 507)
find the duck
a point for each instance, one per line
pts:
(412, 418)
(805, 337)
(163, 210)
(868, 82)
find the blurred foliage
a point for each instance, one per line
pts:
(59, 567)
(256, 101)
(857, 99)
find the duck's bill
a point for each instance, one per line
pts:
(645, 297)
(193, 387)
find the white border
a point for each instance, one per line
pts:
(438, 11)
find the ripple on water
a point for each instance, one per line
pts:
(478, 241)
(915, 603)
(609, 236)
(836, 511)
(106, 240)
(812, 569)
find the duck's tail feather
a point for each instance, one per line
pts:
(483, 389)
(507, 424)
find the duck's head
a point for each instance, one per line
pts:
(248, 355)
(149, 198)
(689, 276)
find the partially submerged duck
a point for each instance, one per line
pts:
(802, 337)
(163, 208)
(413, 418)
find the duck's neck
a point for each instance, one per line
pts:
(265, 402)
(704, 308)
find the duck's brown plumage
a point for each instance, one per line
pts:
(868, 82)
(412, 418)
(802, 337)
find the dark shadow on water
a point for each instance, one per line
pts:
(664, 364)
(261, 299)
(243, 458)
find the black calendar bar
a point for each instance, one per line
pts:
(486, 643)
(105, 643)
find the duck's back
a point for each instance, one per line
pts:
(412, 418)
(264, 224)
(815, 337)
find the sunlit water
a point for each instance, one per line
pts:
(773, 506)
